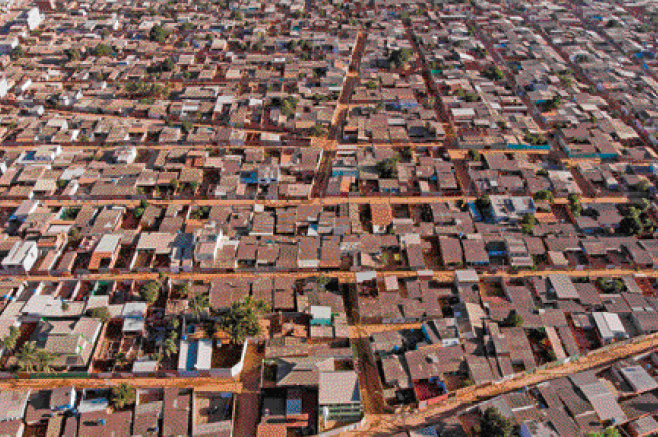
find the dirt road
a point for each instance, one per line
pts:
(200, 384)
(387, 424)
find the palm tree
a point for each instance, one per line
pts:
(27, 357)
(9, 342)
(44, 361)
(199, 304)
(122, 396)
(120, 360)
(241, 320)
(169, 347)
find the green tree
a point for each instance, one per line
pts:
(187, 126)
(101, 313)
(151, 291)
(27, 357)
(323, 281)
(199, 304)
(372, 84)
(17, 52)
(398, 58)
(72, 54)
(44, 361)
(241, 320)
(494, 424)
(101, 50)
(182, 290)
(527, 223)
(10, 340)
(610, 431)
(158, 34)
(544, 195)
(318, 131)
(574, 204)
(388, 168)
(122, 396)
(514, 319)
(169, 347)
(474, 155)
(483, 203)
(493, 73)
(631, 224)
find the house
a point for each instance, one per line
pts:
(105, 423)
(21, 258)
(382, 217)
(13, 404)
(125, 155)
(4, 87)
(212, 414)
(176, 413)
(535, 428)
(643, 427)
(638, 379)
(32, 18)
(562, 286)
(62, 399)
(427, 366)
(609, 326)
(72, 343)
(106, 252)
(339, 396)
(133, 317)
(508, 209)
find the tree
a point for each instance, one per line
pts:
(644, 185)
(514, 319)
(9, 342)
(101, 50)
(611, 285)
(183, 290)
(187, 126)
(527, 223)
(534, 139)
(17, 52)
(199, 304)
(398, 58)
(474, 155)
(323, 281)
(493, 424)
(72, 54)
(544, 195)
(151, 291)
(553, 103)
(169, 347)
(44, 361)
(372, 84)
(630, 225)
(610, 431)
(288, 106)
(483, 203)
(241, 320)
(574, 204)
(27, 357)
(318, 131)
(101, 313)
(158, 34)
(387, 168)
(493, 73)
(122, 396)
